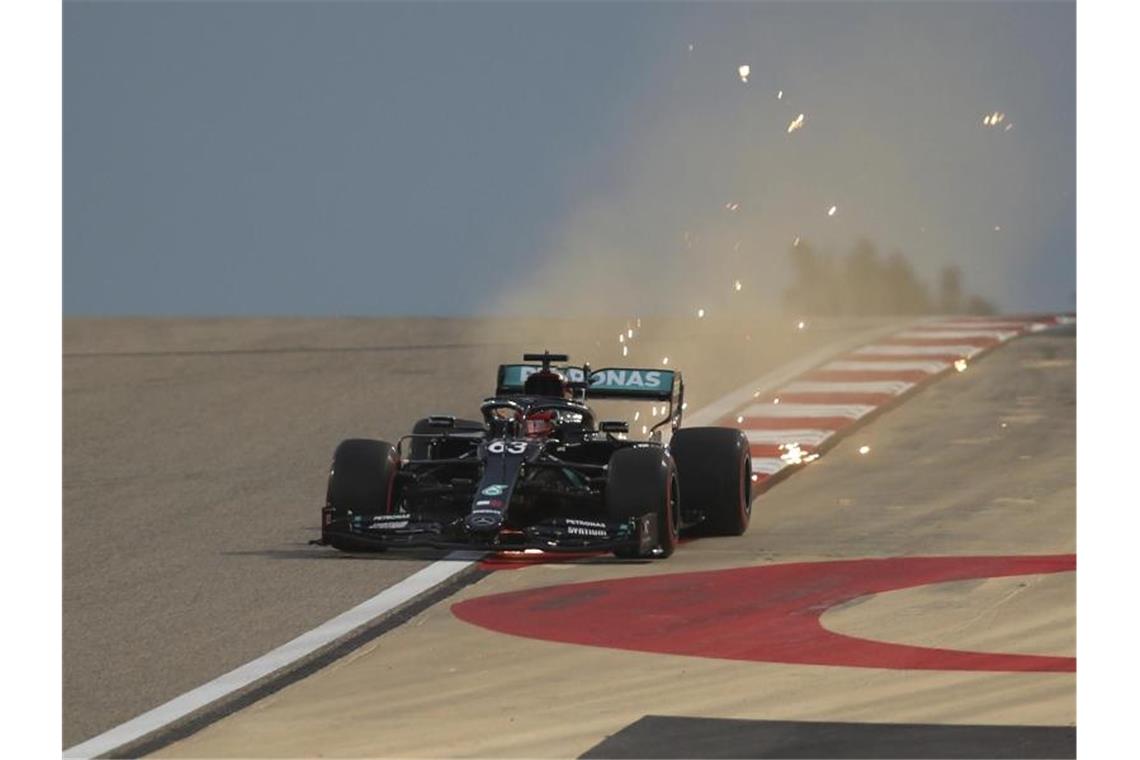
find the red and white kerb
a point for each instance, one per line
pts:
(791, 426)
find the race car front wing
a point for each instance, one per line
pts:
(562, 534)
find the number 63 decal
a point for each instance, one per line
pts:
(513, 447)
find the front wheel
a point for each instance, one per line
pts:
(361, 482)
(715, 465)
(640, 480)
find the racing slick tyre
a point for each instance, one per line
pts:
(361, 481)
(644, 479)
(421, 447)
(715, 465)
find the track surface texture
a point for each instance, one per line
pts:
(194, 464)
(978, 469)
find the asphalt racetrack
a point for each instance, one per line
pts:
(934, 548)
(195, 457)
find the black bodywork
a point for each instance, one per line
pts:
(486, 485)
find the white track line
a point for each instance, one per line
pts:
(931, 368)
(892, 349)
(802, 437)
(967, 335)
(1015, 326)
(767, 465)
(286, 654)
(404, 591)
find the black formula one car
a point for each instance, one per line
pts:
(539, 473)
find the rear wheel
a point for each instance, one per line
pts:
(641, 480)
(715, 465)
(361, 482)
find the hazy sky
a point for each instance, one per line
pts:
(450, 158)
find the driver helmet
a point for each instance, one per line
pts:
(540, 424)
(547, 382)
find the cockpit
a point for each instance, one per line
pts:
(536, 417)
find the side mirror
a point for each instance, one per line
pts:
(441, 420)
(614, 426)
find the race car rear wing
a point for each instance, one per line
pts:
(622, 383)
(607, 383)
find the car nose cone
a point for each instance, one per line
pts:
(484, 520)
